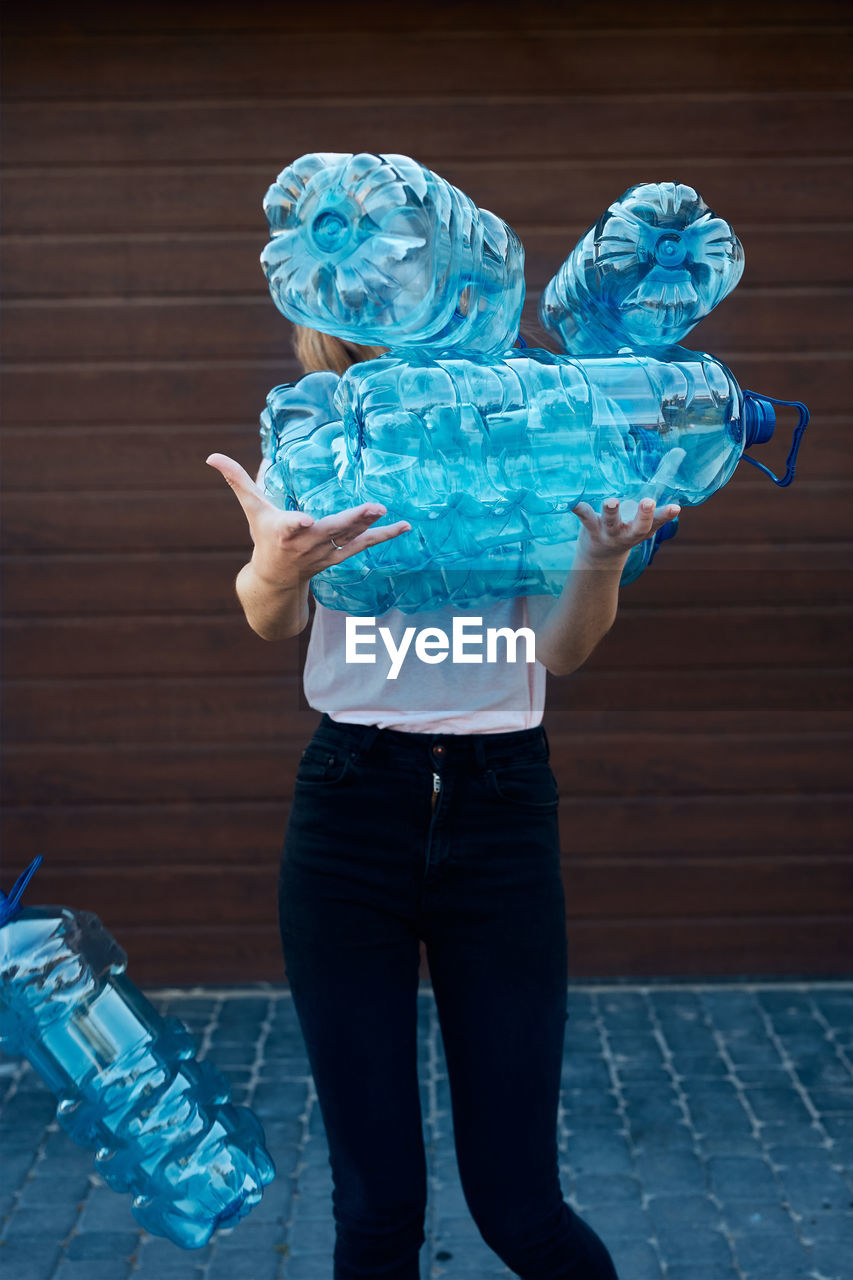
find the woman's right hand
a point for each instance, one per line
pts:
(290, 546)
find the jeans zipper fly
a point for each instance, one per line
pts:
(436, 788)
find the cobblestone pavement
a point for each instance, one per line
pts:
(706, 1132)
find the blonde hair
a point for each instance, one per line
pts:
(316, 351)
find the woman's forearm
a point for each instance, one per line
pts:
(582, 614)
(273, 610)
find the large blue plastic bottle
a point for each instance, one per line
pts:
(378, 249)
(486, 457)
(126, 1078)
(644, 274)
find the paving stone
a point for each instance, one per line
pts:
(685, 1210)
(52, 1222)
(673, 1136)
(106, 1210)
(832, 1101)
(749, 1218)
(671, 1171)
(623, 1220)
(102, 1245)
(692, 1271)
(688, 1245)
(772, 1258)
(308, 1267)
(310, 1236)
(33, 1259)
(90, 1269)
(734, 1177)
(14, 1168)
(804, 1133)
(180, 1269)
(160, 1256)
(635, 1260)
(751, 1048)
(699, 1066)
(245, 1265)
(599, 1152)
(830, 1261)
(837, 1227)
(776, 1105)
(812, 1188)
(610, 1188)
(253, 1237)
(54, 1190)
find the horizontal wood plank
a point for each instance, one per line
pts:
(179, 66)
(276, 130)
(465, 15)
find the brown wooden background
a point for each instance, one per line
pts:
(150, 738)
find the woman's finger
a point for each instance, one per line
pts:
(645, 516)
(247, 492)
(610, 515)
(370, 538)
(664, 516)
(343, 526)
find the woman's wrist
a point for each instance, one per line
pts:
(272, 582)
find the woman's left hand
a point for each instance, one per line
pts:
(608, 538)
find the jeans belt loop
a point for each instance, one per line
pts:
(480, 751)
(545, 740)
(368, 737)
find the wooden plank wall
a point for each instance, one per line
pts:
(150, 738)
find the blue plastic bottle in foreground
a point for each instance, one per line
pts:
(378, 249)
(126, 1078)
(644, 274)
(487, 457)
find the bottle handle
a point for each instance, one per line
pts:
(791, 463)
(10, 905)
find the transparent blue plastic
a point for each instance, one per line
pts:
(379, 250)
(126, 1078)
(486, 458)
(644, 274)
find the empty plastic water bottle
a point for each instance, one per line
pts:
(126, 1078)
(378, 249)
(644, 274)
(485, 458)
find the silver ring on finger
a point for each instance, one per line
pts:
(335, 545)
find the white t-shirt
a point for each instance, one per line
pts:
(427, 697)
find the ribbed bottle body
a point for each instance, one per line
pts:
(486, 457)
(652, 266)
(126, 1078)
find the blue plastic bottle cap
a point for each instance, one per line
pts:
(759, 419)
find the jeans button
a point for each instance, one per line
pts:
(439, 751)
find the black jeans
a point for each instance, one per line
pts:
(395, 837)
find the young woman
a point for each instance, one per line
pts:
(425, 809)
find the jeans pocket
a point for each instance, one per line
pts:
(322, 766)
(533, 786)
